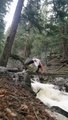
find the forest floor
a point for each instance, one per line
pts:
(18, 103)
(57, 67)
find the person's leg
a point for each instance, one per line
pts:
(29, 62)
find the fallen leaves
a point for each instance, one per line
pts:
(10, 112)
(24, 109)
(2, 92)
(17, 103)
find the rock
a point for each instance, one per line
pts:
(22, 77)
(66, 86)
(61, 82)
(59, 116)
(60, 111)
(3, 69)
(56, 115)
(12, 63)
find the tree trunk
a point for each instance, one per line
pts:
(65, 49)
(11, 36)
(64, 42)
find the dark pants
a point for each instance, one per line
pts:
(28, 63)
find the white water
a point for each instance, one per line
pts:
(50, 95)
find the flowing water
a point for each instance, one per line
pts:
(50, 95)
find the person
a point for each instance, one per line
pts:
(38, 64)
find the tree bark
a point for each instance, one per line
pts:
(65, 49)
(64, 42)
(11, 36)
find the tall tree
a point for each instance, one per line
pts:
(11, 36)
(3, 10)
(60, 19)
(32, 14)
(57, 25)
(30, 27)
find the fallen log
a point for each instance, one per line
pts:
(50, 74)
(12, 69)
(4, 69)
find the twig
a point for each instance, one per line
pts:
(38, 118)
(60, 67)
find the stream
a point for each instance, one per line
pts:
(51, 94)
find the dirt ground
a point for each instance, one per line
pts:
(18, 103)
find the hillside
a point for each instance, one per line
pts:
(18, 103)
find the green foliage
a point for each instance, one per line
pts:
(43, 28)
(22, 40)
(3, 9)
(2, 25)
(61, 9)
(32, 14)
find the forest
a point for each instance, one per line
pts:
(39, 29)
(42, 30)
